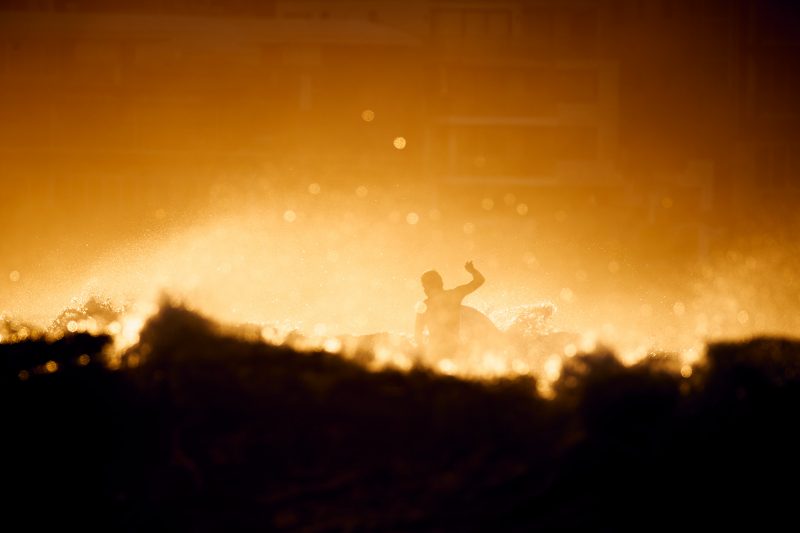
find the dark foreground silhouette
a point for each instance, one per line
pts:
(214, 433)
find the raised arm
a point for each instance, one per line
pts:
(472, 286)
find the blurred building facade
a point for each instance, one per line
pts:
(671, 104)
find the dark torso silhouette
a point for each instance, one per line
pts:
(443, 319)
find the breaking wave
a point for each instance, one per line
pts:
(201, 426)
(519, 340)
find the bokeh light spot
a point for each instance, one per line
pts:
(552, 368)
(487, 204)
(520, 367)
(530, 259)
(332, 345)
(314, 188)
(522, 209)
(446, 366)
(361, 191)
(368, 115)
(412, 218)
(14, 276)
(399, 143)
(289, 215)
(743, 317)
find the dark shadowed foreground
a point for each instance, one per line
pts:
(213, 433)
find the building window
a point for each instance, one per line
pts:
(504, 151)
(581, 33)
(777, 77)
(520, 92)
(777, 166)
(471, 23)
(157, 54)
(96, 53)
(576, 86)
(537, 26)
(576, 143)
(447, 23)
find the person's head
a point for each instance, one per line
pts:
(431, 282)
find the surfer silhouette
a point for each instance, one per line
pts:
(438, 321)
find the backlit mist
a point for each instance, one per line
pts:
(302, 163)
